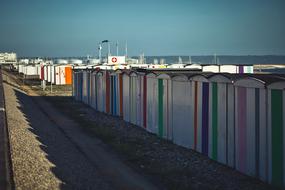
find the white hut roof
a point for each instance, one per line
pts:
(221, 78)
(182, 78)
(198, 77)
(250, 82)
(163, 76)
(277, 85)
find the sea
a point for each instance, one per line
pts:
(209, 59)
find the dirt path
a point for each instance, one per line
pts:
(50, 152)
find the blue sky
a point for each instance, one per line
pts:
(155, 27)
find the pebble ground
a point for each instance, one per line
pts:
(42, 157)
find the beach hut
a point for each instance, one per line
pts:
(68, 74)
(152, 103)
(74, 84)
(200, 99)
(100, 91)
(106, 84)
(113, 92)
(182, 114)
(164, 106)
(211, 68)
(228, 69)
(134, 103)
(126, 95)
(77, 88)
(221, 119)
(116, 93)
(245, 69)
(85, 86)
(250, 126)
(93, 90)
(276, 133)
(51, 73)
(141, 99)
(59, 75)
(119, 74)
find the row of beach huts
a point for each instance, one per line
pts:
(235, 119)
(58, 74)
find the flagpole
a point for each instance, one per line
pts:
(117, 46)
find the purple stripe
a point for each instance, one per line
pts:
(205, 118)
(241, 128)
(241, 69)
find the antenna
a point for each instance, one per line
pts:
(117, 46)
(126, 49)
(109, 49)
(100, 52)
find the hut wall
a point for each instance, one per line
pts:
(126, 97)
(182, 113)
(152, 104)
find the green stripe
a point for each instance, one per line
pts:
(160, 107)
(277, 141)
(214, 121)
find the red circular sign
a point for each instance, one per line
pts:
(114, 59)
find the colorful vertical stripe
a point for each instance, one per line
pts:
(121, 93)
(241, 69)
(160, 107)
(115, 95)
(241, 128)
(112, 94)
(205, 118)
(214, 121)
(277, 137)
(195, 114)
(144, 101)
(257, 119)
(107, 92)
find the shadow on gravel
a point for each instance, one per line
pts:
(70, 166)
(173, 166)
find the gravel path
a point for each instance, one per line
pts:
(42, 157)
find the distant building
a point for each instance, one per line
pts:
(8, 58)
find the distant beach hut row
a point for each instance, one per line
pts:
(56, 74)
(235, 119)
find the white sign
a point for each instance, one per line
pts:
(116, 60)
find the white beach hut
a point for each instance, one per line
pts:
(221, 119)
(152, 103)
(182, 111)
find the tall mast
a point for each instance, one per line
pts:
(100, 52)
(117, 46)
(126, 49)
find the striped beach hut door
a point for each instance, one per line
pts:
(164, 107)
(133, 98)
(276, 133)
(200, 95)
(221, 119)
(126, 96)
(152, 103)
(250, 126)
(160, 108)
(181, 111)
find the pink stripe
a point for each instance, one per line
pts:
(241, 106)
